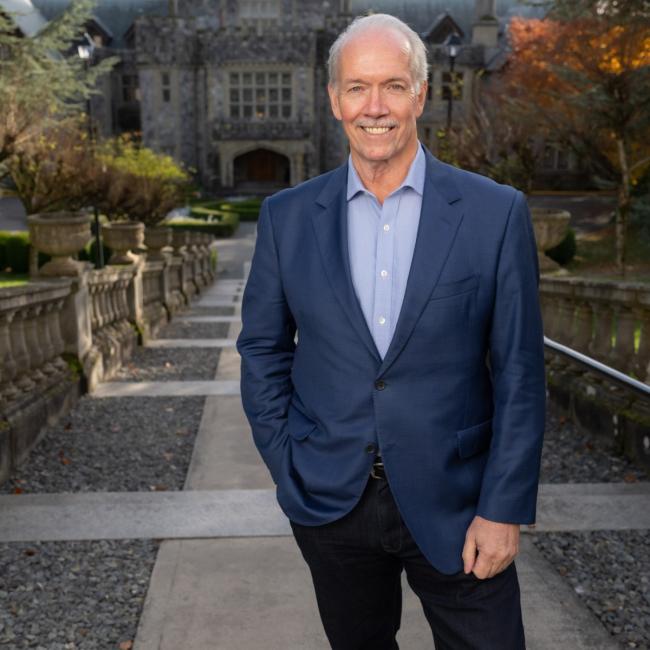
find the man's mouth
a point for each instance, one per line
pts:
(377, 130)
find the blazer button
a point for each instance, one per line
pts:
(371, 449)
(380, 384)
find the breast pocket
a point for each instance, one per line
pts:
(455, 288)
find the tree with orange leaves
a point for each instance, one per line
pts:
(584, 71)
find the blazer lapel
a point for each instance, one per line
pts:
(330, 226)
(439, 220)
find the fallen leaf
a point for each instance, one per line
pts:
(62, 458)
(126, 645)
(630, 478)
(17, 490)
(168, 455)
(158, 488)
(30, 551)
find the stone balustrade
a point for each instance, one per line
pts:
(607, 320)
(61, 336)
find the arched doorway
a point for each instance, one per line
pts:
(261, 168)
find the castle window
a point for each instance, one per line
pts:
(166, 87)
(452, 86)
(129, 88)
(555, 157)
(259, 13)
(260, 95)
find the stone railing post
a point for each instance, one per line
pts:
(642, 367)
(625, 322)
(166, 280)
(135, 296)
(583, 321)
(76, 326)
(601, 343)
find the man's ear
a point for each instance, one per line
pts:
(421, 98)
(334, 101)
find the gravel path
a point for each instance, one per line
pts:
(572, 457)
(181, 330)
(170, 364)
(610, 572)
(73, 595)
(114, 444)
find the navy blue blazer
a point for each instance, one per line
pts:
(457, 405)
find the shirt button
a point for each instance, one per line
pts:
(382, 320)
(384, 274)
(386, 227)
(380, 384)
(371, 449)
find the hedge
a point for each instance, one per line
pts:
(246, 209)
(564, 252)
(225, 227)
(14, 251)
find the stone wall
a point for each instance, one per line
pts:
(60, 337)
(610, 322)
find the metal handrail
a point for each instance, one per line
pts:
(592, 364)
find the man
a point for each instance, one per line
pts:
(403, 427)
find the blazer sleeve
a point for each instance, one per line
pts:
(266, 345)
(510, 481)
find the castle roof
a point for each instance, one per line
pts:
(118, 15)
(27, 18)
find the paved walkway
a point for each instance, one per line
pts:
(229, 575)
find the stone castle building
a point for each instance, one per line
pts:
(236, 89)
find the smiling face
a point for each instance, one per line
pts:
(376, 100)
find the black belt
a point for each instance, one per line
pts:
(377, 470)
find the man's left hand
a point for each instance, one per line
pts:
(496, 543)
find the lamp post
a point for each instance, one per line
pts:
(452, 47)
(85, 51)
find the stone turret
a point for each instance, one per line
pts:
(485, 29)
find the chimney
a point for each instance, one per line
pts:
(485, 29)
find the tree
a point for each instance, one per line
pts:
(51, 171)
(42, 80)
(133, 182)
(584, 71)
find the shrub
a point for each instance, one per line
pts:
(564, 252)
(224, 228)
(14, 251)
(247, 209)
(137, 183)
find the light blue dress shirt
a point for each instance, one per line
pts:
(381, 239)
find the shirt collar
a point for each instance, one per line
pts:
(414, 178)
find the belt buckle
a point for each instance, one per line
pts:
(380, 466)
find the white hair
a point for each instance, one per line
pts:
(417, 50)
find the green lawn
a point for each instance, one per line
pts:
(596, 254)
(13, 279)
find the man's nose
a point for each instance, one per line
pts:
(375, 105)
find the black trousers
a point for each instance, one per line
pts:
(356, 564)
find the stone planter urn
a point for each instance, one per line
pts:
(179, 240)
(155, 239)
(550, 226)
(60, 235)
(121, 237)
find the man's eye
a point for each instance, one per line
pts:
(354, 89)
(396, 87)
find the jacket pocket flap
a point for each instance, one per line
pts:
(474, 439)
(299, 426)
(446, 289)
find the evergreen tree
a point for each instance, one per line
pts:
(42, 78)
